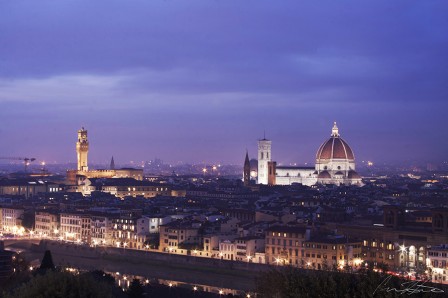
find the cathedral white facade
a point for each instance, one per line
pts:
(335, 164)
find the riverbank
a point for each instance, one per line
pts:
(187, 269)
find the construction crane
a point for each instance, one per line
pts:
(26, 160)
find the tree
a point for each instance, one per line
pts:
(102, 276)
(28, 220)
(65, 285)
(292, 282)
(47, 262)
(135, 289)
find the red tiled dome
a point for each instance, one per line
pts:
(335, 147)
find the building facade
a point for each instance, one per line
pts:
(12, 219)
(46, 224)
(437, 262)
(283, 245)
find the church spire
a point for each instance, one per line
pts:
(335, 130)
(246, 171)
(112, 164)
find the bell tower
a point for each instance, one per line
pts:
(264, 157)
(82, 149)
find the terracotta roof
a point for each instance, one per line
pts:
(287, 229)
(353, 175)
(324, 175)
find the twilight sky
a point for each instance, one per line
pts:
(197, 81)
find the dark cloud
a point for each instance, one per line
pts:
(167, 72)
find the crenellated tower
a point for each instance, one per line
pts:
(82, 149)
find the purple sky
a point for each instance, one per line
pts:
(200, 80)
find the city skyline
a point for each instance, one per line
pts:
(200, 82)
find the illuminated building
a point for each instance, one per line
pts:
(398, 242)
(437, 262)
(12, 219)
(335, 164)
(82, 172)
(46, 223)
(75, 226)
(331, 252)
(264, 157)
(177, 233)
(82, 149)
(283, 245)
(26, 187)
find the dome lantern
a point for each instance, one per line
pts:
(335, 130)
